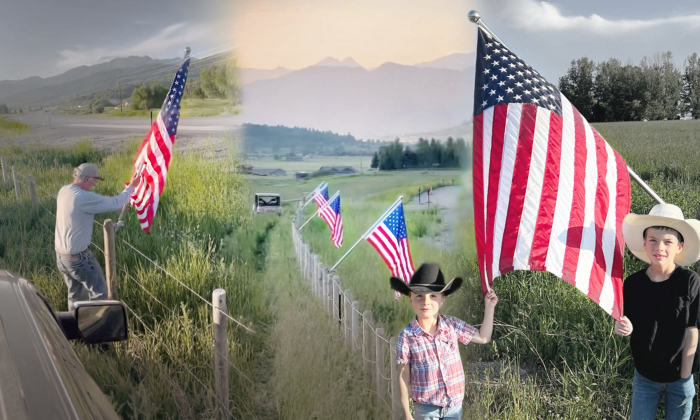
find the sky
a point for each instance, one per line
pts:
(44, 38)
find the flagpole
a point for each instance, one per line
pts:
(311, 199)
(320, 209)
(364, 235)
(474, 17)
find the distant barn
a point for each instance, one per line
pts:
(337, 170)
(269, 172)
(301, 175)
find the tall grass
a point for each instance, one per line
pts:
(12, 128)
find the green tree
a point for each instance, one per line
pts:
(662, 87)
(577, 85)
(690, 94)
(221, 81)
(375, 161)
(146, 97)
(619, 92)
(4, 109)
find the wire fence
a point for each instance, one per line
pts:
(24, 183)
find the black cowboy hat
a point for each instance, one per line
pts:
(427, 279)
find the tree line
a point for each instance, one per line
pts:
(428, 154)
(656, 89)
(292, 140)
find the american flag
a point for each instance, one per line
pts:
(337, 228)
(390, 238)
(321, 195)
(549, 192)
(153, 157)
(326, 213)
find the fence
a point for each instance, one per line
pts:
(220, 317)
(362, 336)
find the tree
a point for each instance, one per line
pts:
(619, 92)
(221, 81)
(375, 161)
(98, 106)
(690, 94)
(146, 97)
(4, 109)
(577, 85)
(662, 87)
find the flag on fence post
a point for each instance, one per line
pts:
(390, 238)
(321, 195)
(153, 157)
(549, 192)
(337, 227)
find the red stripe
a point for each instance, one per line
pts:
(500, 115)
(156, 168)
(623, 207)
(578, 202)
(548, 200)
(165, 152)
(478, 192)
(521, 173)
(595, 285)
(379, 246)
(396, 247)
(404, 245)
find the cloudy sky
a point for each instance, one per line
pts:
(45, 38)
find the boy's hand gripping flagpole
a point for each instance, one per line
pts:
(320, 209)
(364, 235)
(474, 17)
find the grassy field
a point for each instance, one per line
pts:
(190, 108)
(12, 128)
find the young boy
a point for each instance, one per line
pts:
(427, 353)
(662, 310)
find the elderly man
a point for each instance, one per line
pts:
(76, 209)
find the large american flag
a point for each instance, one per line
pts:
(549, 192)
(337, 228)
(390, 238)
(153, 157)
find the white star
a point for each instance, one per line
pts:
(485, 87)
(528, 72)
(487, 71)
(551, 96)
(494, 77)
(487, 57)
(496, 51)
(511, 65)
(493, 92)
(551, 106)
(528, 81)
(517, 97)
(177, 83)
(509, 90)
(496, 43)
(535, 100)
(520, 64)
(536, 89)
(483, 104)
(503, 69)
(512, 57)
(518, 84)
(527, 92)
(501, 83)
(500, 98)
(511, 77)
(489, 45)
(504, 58)
(170, 119)
(175, 123)
(519, 73)
(178, 76)
(495, 63)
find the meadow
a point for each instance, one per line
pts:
(12, 128)
(190, 108)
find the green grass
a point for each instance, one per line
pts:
(190, 108)
(12, 128)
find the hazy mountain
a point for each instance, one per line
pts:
(334, 62)
(390, 100)
(9, 88)
(250, 75)
(457, 61)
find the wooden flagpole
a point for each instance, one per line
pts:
(320, 209)
(364, 235)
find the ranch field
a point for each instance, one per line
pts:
(554, 355)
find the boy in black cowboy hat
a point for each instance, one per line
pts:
(426, 351)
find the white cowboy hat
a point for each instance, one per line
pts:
(633, 227)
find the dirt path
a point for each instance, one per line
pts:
(446, 199)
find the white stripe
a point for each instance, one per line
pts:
(164, 132)
(586, 256)
(565, 192)
(403, 245)
(607, 294)
(510, 148)
(486, 157)
(379, 239)
(533, 195)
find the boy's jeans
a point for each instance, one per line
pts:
(83, 276)
(434, 412)
(646, 396)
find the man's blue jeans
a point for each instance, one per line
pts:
(83, 276)
(646, 395)
(434, 412)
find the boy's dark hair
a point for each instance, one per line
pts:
(664, 229)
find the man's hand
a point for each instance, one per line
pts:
(135, 178)
(623, 327)
(490, 299)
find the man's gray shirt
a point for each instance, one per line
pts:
(75, 212)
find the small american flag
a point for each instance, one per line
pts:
(153, 157)
(390, 238)
(321, 195)
(337, 228)
(326, 213)
(549, 192)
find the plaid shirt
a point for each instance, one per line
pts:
(437, 376)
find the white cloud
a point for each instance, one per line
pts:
(533, 15)
(174, 37)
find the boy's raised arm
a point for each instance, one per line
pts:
(404, 383)
(483, 335)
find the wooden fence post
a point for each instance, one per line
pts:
(15, 177)
(347, 318)
(367, 339)
(356, 325)
(5, 177)
(32, 192)
(336, 299)
(381, 382)
(110, 260)
(329, 293)
(396, 406)
(218, 299)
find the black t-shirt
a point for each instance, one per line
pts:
(660, 313)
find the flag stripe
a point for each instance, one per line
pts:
(597, 274)
(478, 192)
(497, 143)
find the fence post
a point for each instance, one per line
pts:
(32, 192)
(329, 293)
(336, 299)
(4, 169)
(356, 325)
(218, 299)
(367, 342)
(396, 406)
(110, 260)
(347, 318)
(381, 382)
(15, 177)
